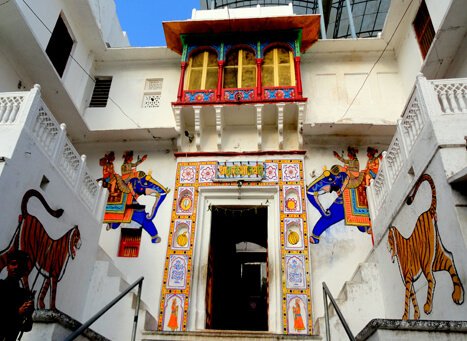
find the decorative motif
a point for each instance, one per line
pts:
(239, 170)
(271, 172)
(182, 234)
(292, 199)
(152, 100)
(48, 255)
(423, 252)
(295, 281)
(290, 172)
(279, 93)
(177, 272)
(173, 316)
(295, 271)
(200, 96)
(125, 189)
(293, 229)
(297, 314)
(239, 95)
(187, 174)
(206, 173)
(185, 200)
(349, 184)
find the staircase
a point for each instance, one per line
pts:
(107, 283)
(360, 300)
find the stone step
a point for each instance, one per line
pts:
(231, 335)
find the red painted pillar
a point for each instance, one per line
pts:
(183, 66)
(220, 74)
(259, 87)
(298, 77)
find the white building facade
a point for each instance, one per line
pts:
(237, 168)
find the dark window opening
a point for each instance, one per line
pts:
(100, 95)
(237, 281)
(59, 47)
(424, 29)
(130, 241)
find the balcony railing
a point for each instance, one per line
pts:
(242, 95)
(431, 102)
(27, 111)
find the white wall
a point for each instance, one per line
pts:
(450, 234)
(9, 77)
(331, 80)
(25, 171)
(124, 108)
(151, 259)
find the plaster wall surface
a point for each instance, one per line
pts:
(150, 262)
(9, 77)
(449, 228)
(341, 89)
(399, 335)
(334, 260)
(25, 171)
(105, 13)
(41, 18)
(124, 108)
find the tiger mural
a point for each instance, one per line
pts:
(49, 256)
(423, 252)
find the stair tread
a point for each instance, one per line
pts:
(231, 334)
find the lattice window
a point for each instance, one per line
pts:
(130, 241)
(152, 93)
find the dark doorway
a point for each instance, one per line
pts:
(237, 281)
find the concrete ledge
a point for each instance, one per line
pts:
(412, 325)
(67, 322)
(232, 335)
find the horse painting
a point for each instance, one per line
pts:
(123, 206)
(350, 203)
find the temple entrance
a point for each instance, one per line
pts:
(237, 278)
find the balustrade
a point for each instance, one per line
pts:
(28, 109)
(451, 95)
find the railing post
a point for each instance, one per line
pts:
(326, 313)
(80, 175)
(135, 320)
(29, 105)
(60, 143)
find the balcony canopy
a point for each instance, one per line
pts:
(309, 24)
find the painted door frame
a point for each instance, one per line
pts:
(254, 196)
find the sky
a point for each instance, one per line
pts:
(142, 19)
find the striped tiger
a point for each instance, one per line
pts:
(423, 252)
(49, 256)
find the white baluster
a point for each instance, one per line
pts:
(60, 143)
(80, 176)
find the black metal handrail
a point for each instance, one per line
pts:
(101, 312)
(326, 294)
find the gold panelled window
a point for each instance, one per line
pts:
(240, 69)
(202, 71)
(278, 68)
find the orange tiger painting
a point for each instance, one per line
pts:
(49, 256)
(423, 252)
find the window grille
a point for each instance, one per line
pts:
(100, 95)
(130, 241)
(152, 93)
